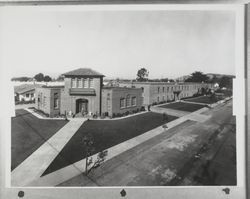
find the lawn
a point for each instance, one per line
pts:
(105, 135)
(28, 133)
(183, 106)
(201, 99)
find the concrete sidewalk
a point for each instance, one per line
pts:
(33, 167)
(78, 168)
(169, 111)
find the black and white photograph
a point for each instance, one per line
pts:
(124, 96)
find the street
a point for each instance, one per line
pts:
(192, 153)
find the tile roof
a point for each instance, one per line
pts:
(26, 88)
(83, 72)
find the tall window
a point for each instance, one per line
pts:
(122, 103)
(44, 100)
(56, 101)
(85, 83)
(158, 89)
(167, 89)
(133, 101)
(79, 83)
(128, 101)
(91, 83)
(73, 83)
(163, 89)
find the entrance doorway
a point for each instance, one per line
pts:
(82, 106)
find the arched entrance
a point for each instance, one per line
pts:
(82, 106)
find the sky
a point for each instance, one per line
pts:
(167, 43)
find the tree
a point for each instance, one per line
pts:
(225, 81)
(21, 79)
(47, 78)
(197, 77)
(142, 75)
(60, 78)
(89, 149)
(39, 77)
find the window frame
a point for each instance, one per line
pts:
(124, 103)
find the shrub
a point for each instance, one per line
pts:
(142, 108)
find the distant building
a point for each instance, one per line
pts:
(155, 92)
(25, 92)
(182, 78)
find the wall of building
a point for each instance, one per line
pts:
(68, 101)
(45, 100)
(161, 91)
(112, 100)
(107, 101)
(54, 111)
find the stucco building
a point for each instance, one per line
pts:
(118, 100)
(25, 92)
(83, 94)
(155, 92)
(49, 99)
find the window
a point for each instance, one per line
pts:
(56, 101)
(27, 95)
(167, 89)
(91, 83)
(133, 101)
(73, 83)
(162, 98)
(79, 83)
(158, 99)
(128, 101)
(163, 89)
(142, 89)
(32, 94)
(158, 89)
(122, 103)
(44, 101)
(85, 83)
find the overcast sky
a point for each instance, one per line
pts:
(118, 43)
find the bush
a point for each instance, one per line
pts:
(154, 103)
(103, 116)
(142, 108)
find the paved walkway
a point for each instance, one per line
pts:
(78, 168)
(190, 102)
(41, 117)
(169, 111)
(34, 166)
